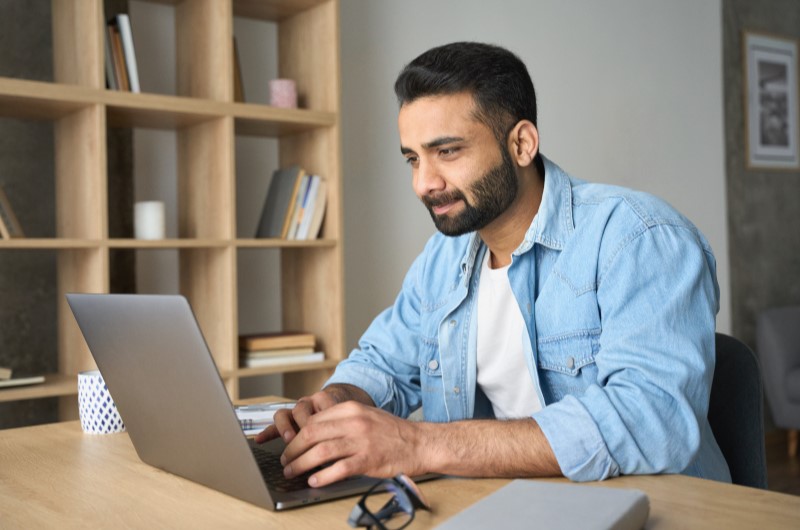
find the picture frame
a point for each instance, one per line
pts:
(9, 225)
(771, 106)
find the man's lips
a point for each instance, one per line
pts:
(442, 209)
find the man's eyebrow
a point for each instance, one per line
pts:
(437, 142)
(444, 140)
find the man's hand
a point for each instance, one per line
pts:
(358, 439)
(288, 422)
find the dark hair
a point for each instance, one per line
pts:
(497, 79)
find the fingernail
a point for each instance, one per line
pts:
(287, 436)
(313, 481)
(287, 471)
(283, 460)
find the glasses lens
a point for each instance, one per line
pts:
(392, 509)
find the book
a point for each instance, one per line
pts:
(119, 58)
(255, 418)
(297, 209)
(21, 381)
(304, 221)
(238, 85)
(5, 373)
(274, 341)
(280, 352)
(282, 193)
(111, 76)
(552, 505)
(319, 210)
(287, 359)
(123, 22)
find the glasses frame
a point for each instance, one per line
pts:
(399, 485)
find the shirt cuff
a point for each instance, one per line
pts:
(576, 441)
(378, 385)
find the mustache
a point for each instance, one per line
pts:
(432, 201)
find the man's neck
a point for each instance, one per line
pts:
(506, 233)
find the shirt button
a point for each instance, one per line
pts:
(433, 365)
(570, 362)
(456, 390)
(452, 323)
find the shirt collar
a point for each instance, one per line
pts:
(551, 226)
(553, 223)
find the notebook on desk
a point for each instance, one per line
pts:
(555, 506)
(166, 386)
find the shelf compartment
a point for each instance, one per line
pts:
(270, 10)
(55, 385)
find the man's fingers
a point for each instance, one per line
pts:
(270, 433)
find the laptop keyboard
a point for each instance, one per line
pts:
(272, 471)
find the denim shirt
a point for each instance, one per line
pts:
(619, 291)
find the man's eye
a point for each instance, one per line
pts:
(411, 160)
(448, 151)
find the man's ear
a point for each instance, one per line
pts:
(523, 142)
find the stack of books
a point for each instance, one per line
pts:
(272, 349)
(121, 70)
(295, 205)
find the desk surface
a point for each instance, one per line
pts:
(54, 475)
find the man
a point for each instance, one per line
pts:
(551, 327)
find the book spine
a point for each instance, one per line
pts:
(298, 208)
(308, 209)
(111, 76)
(277, 361)
(293, 201)
(124, 24)
(119, 58)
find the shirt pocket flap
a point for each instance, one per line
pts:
(567, 354)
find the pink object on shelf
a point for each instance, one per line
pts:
(283, 93)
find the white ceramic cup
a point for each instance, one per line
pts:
(148, 220)
(97, 410)
(283, 93)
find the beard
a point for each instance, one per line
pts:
(492, 194)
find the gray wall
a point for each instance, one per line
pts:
(763, 205)
(630, 92)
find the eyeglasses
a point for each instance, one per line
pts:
(396, 513)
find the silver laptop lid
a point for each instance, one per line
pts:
(166, 386)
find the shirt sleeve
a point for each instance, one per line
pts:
(657, 297)
(385, 364)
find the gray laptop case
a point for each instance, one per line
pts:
(166, 386)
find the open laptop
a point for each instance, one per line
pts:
(161, 375)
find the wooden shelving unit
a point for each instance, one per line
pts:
(206, 120)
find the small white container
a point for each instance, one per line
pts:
(97, 410)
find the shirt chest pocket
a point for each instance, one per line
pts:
(567, 364)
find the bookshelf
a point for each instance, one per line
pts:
(206, 121)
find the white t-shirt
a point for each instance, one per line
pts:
(502, 369)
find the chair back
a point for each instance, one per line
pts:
(736, 412)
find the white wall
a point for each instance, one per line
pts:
(629, 92)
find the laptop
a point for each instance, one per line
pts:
(161, 375)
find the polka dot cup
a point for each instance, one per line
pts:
(97, 410)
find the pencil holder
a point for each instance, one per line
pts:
(97, 410)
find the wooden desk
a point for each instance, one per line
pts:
(56, 476)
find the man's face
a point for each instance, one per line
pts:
(460, 172)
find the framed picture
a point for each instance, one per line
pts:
(9, 226)
(771, 112)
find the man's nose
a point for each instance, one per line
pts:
(427, 179)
